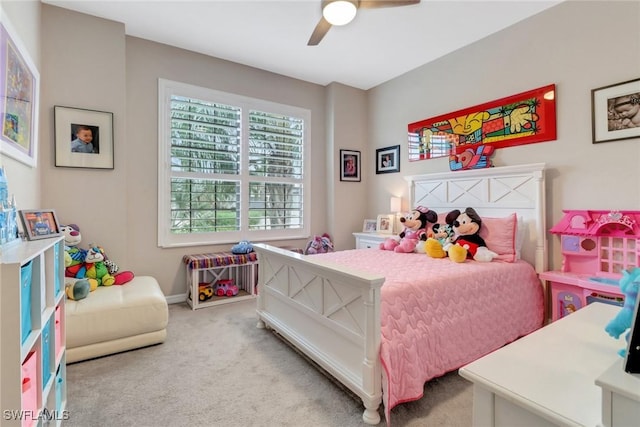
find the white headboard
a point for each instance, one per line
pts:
(492, 192)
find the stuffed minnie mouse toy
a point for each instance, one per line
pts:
(415, 231)
(468, 243)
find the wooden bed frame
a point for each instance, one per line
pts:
(332, 315)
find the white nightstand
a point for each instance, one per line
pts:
(371, 240)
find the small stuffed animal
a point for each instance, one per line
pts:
(467, 243)
(72, 238)
(438, 243)
(96, 269)
(629, 285)
(121, 277)
(319, 245)
(415, 230)
(80, 289)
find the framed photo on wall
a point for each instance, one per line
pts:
(615, 112)
(39, 224)
(83, 138)
(349, 165)
(388, 159)
(19, 89)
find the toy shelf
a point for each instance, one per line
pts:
(203, 271)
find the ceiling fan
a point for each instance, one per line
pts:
(341, 12)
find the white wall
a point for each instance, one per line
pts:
(576, 45)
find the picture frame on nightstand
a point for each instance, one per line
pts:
(384, 224)
(369, 226)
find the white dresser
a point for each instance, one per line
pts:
(548, 378)
(371, 240)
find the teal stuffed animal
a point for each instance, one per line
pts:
(629, 284)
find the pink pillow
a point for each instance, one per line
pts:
(500, 236)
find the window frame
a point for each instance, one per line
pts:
(166, 239)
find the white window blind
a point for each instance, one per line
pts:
(230, 168)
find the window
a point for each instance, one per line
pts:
(230, 168)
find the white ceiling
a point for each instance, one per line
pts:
(376, 46)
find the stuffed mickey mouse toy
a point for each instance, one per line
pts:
(468, 243)
(415, 231)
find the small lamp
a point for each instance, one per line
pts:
(395, 206)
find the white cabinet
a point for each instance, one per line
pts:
(620, 396)
(371, 240)
(547, 378)
(32, 333)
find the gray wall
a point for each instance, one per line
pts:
(118, 208)
(576, 45)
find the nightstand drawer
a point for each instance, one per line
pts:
(371, 240)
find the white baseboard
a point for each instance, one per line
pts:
(176, 299)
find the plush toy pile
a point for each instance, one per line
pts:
(629, 285)
(465, 243)
(91, 266)
(319, 245)
(414, 232)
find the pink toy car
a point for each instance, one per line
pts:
(225, 287)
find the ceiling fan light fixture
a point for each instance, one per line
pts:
(339, 12)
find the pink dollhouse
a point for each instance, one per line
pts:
(596, 246)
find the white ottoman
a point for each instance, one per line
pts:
(116, 318)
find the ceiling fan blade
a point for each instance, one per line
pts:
(319, 32)
(378, 4)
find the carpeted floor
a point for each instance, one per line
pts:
(217, 369)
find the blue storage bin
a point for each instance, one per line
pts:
(56, 268)
(25, 300)
(59, 387)
(47, 337)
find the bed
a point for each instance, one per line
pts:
(384, 323)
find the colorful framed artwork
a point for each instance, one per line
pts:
(19, 96)
(39, 224)
(615, 112)
(524, 118)
(349, 165)
(388, 159)
(83, 138)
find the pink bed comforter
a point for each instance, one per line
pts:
(438, 315)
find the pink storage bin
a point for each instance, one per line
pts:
(30, 389)
(58, 333)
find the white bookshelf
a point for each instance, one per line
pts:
(43, 305)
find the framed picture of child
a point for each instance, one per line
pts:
(388, 159)
(350, 165)
(615, 112)
(83, 138)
